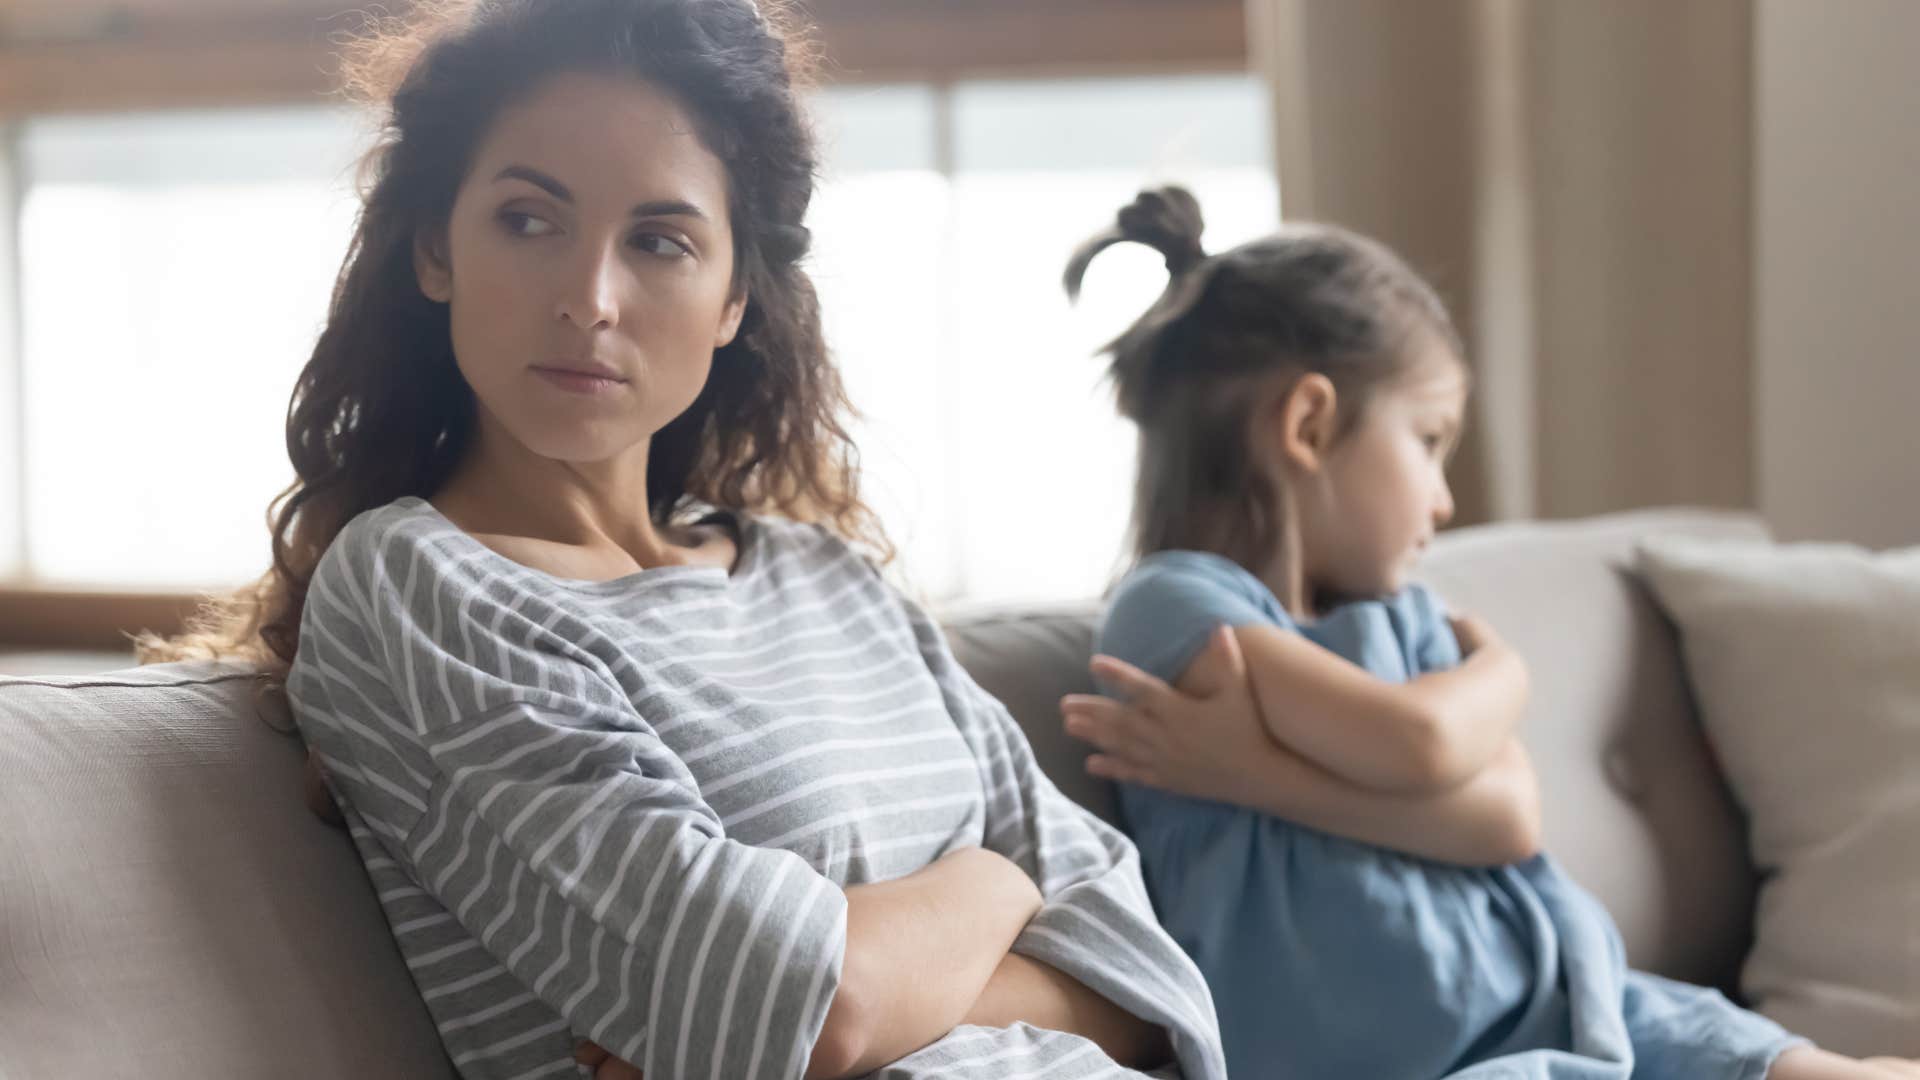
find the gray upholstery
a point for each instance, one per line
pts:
(1635, 808)
(168, 905)
(169, 908)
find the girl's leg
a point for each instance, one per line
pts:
(1807, 1063)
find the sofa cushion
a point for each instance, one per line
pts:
(168, 906)
(1030, 658)
(1806, 659)
(1633, 805)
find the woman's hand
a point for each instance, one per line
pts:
(605, 1065)
(1011, 890)
(1025, 990)
(1197, 744)
(958, 916)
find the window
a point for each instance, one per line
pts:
(995, 457)
(174, 271)
(175, 267)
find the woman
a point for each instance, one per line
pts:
(690, 794)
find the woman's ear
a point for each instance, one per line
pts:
(432, 269)
(1307, 419)
(730, 317)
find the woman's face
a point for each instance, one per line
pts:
(590, 234)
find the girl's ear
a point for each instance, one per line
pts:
(431, 266)
(1307, 416)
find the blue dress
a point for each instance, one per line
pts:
(1332, 958)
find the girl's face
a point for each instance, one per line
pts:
(590, 234)
(1382, 492)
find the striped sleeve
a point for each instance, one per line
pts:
(1097, 923)
(508, 773)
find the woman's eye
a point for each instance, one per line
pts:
(1432, 443)
(520, 224)
(659, 244)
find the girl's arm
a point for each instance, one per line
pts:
(1207, 740)
(1423, 737)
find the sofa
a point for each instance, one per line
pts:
(170, 908)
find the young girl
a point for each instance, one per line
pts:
(1335, 817)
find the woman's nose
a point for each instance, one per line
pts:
(591, 299)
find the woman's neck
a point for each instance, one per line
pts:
(503, 489)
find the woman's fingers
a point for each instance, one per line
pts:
(605, 1065)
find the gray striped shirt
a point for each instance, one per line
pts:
(626, 810)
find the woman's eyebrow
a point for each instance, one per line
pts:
(655, 208)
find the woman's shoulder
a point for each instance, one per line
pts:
(399, 526)
(785, 549)
(397, 546)
(775, 534)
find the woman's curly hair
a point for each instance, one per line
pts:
(381, 411)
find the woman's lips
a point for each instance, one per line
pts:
(579, 382)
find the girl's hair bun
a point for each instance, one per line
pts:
(1166, 219)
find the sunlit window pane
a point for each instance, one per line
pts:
(1040, 167)
(175, 271)
(879, 225)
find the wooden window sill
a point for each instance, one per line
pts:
(70, 619)
(219, 52)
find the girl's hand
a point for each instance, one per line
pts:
(1196, 744)
(605, 1065)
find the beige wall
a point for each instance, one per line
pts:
(1837, 275)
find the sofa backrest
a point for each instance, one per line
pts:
(1634, 806)
(169, 906)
